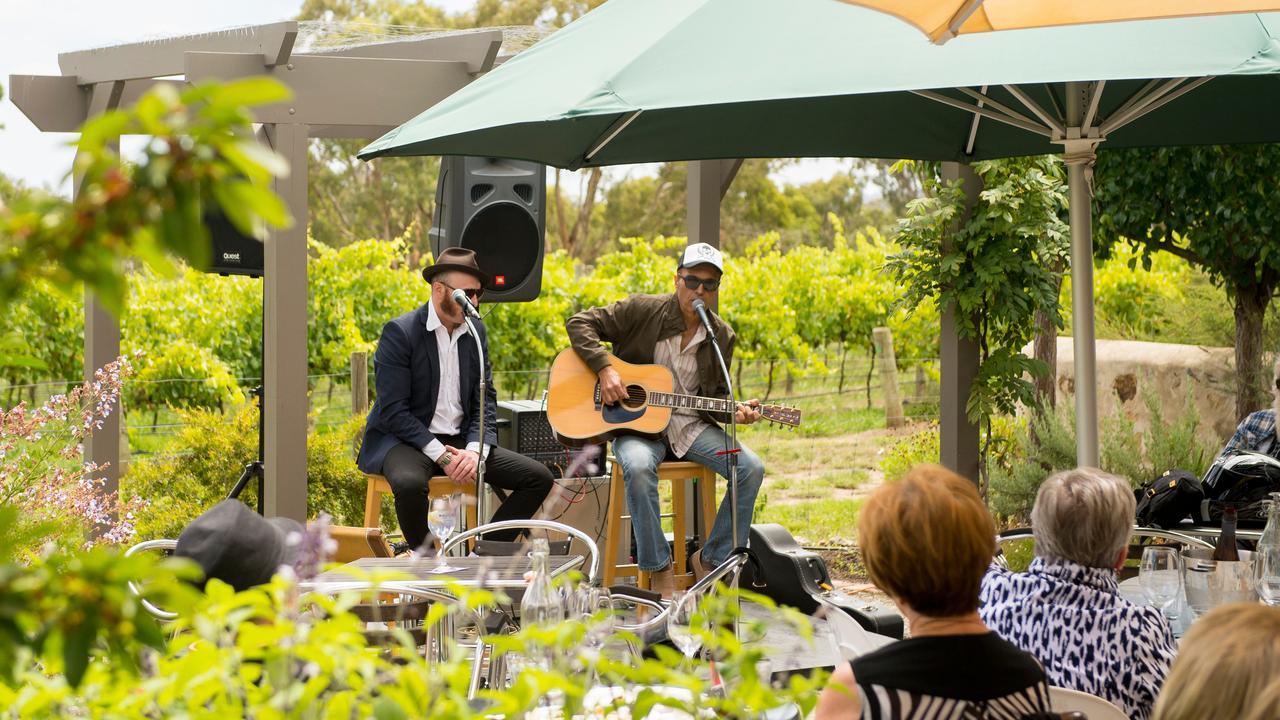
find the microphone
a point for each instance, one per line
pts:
(700, 307)
(460, 297)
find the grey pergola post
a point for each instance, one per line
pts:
(708, 181)
(958, 437)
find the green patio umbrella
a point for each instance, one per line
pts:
(662, 80)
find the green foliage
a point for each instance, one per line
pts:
(1131, 292)
(78, 634)
(915, 449)
(994, 270)
(1215, 206)
(200, 464)
(184, 375)
(202, 154)
(1047, 445)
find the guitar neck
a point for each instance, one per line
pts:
(689, 402)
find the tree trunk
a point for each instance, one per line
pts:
(871, 369)
(843, 349)
(1046, 351)
(1251, 382)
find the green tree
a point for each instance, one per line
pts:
(994, 270)
(1216, 207)
(202, 153)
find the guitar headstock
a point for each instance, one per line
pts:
(780, 414)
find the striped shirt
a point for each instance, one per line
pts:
(958, 677)
(685, 424)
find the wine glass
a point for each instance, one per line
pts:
(682, 623)
(1266, 572)
(442, 520)
(1161, 577)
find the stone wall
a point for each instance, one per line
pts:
(1127, 370)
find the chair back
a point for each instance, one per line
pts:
(165, 546)
(593, 552)
(1017, 546)
(1065, 700)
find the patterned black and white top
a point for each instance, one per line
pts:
(958, 677)
(1073, 620)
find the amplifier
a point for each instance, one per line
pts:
(523, 428)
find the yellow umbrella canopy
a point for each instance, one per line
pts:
(942, 20)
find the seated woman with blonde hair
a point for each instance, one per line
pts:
(926, 540)
(1228, 666)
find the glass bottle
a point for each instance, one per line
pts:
(1226, 549)
(541, 605)
(1271, 533)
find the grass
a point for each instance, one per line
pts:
(819, 522)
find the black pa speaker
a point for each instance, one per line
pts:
(232, 252)
(496, 208)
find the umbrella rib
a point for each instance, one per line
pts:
(1035, 108)
(1001, 117)
(1115, 124)
(612, 133)
(1136, 110)
(973, 127)
(953, 25)
(983, 98)
(1095, 96)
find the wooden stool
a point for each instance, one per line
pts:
(676, 472)
(439, 486)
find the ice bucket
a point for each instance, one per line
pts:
(1209, 583)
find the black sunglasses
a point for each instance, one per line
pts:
(693, 281)
(473, 293)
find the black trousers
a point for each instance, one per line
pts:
(408, 471)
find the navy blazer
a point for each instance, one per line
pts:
(406, 369)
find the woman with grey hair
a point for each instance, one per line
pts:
(1066, 609)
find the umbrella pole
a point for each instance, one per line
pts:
(1079, 155)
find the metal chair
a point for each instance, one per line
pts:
(654, 629)
(592, 550)
(1065, 700)
(483, 650)
(166, 546)
(1022, 534)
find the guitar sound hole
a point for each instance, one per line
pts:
(636, 396)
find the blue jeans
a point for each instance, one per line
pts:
(639, 458)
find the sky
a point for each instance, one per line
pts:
(33, 32)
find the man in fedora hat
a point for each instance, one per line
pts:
(426, 419)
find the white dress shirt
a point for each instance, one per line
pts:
(448, 417)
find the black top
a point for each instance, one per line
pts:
(962, 676)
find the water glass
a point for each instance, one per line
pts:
(1160, 575)
(683, 623)
(1266, 567)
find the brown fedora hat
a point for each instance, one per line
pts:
(460, 259)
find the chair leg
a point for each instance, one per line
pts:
(373, 505)
(613, 527)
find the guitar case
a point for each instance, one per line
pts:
(791, 575)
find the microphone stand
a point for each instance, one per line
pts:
(732, 451)
(482, 500)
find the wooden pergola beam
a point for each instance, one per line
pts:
(165, 57)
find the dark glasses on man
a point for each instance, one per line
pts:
(693, 281)
(473, 294)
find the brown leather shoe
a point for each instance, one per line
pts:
(663, 581)
(700, 570)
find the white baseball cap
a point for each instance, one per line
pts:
(702, 253)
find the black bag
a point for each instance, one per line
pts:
(1241, 479)
(1169, 499)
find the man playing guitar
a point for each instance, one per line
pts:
(665, 330)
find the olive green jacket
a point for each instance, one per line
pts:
(635, 325)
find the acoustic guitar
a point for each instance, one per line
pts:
(578, 417)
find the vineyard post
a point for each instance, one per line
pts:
(883, 338)
(359, 383)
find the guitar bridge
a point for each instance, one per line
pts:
(596, 397)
